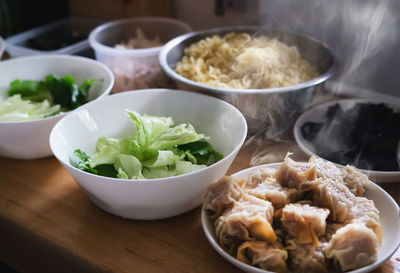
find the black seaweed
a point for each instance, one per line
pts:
(366, 136)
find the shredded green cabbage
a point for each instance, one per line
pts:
(157, 149)
(16, 109)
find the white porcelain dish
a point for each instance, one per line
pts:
(152, 198)
(390, 221)
(30, 139)
(317, 114)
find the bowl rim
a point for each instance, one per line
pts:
(128, 52)
(60, 57)
(291, 88)
(138, 92)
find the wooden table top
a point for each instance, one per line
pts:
(48, 224)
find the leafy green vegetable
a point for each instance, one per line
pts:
(16, 109)
(63, 91)
(200, 152)
(82, 161)
(128, 166)
(106, 170)
(30, 90)
(157, 149)
(43, 98)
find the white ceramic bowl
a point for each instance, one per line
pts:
(30, 139)
(389, 218)
(152, 198)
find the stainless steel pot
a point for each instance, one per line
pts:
(273, 108)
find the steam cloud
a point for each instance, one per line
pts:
(359, 31)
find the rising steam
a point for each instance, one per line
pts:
(357, 30)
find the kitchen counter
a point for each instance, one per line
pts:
(48, 224)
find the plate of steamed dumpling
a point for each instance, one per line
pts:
(301, 217)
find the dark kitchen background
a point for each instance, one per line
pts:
(365, 32)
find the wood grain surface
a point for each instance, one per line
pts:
(48, 224)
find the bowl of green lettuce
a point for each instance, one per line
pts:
(37, 91)
(149, 154)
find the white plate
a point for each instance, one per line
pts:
(389, 218)
(317, 114)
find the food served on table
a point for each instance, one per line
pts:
(366, 136)
(139, 41)
(30, 99)
(303, 217)
(242, 61)
(140, 72)
(157, 149)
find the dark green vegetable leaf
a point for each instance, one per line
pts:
(30, 90)
(63, 91)
(85, 86)
(202, 151)
(106, 170)
(80, 160)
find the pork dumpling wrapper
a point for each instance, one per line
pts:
(250, 218)
(330, 230)
(221, 195)
(353, 246)
(355, 180)
(296, 175)
(306, 258)
(262, 184)
(365, 212)
(304, 222)
(258, 176)
(327, 190)
(336, 197)
(325, 169)
(265, 255)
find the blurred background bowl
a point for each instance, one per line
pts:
(2, 47)
(135, 68)
(151, 198)
(30, 139)
(64, 36)
(272, 108)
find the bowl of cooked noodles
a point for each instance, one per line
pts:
(271, 76)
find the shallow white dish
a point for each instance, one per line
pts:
(317, 114)
(30, 139)
(389, 218)
(152, 198)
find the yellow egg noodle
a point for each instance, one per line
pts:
(241, 61)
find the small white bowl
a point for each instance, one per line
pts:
(389, 219)
(30, 139)
(152, 198)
